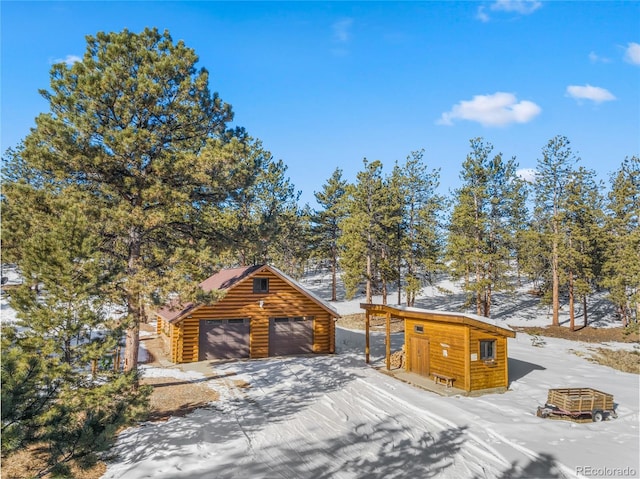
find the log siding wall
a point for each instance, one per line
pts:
(461, 342)
(488, 375)
(442, 337)
(282, 300)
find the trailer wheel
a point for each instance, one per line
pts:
(597, 416)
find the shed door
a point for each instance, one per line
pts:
(224, 338)
(290, 336)
(419, 356)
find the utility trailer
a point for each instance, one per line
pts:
(578, 404)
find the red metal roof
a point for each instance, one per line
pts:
(227, 277)
(174, 309)
(223, 279)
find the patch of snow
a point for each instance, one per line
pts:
(153, 372)
(143, 353)
(7, 313)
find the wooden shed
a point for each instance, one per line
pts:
(263, 313)
(466, 351)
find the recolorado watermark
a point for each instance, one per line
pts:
(601, 471)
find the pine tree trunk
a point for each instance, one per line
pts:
(368, 287)
(409, 275)
(478, 293)
(334, 277)
(399, 268)
(477, 258)
(467, 276)
(132, 347)
(556, 279)
(584, 309)
(623, 315)
(572, 314)
(132, 341)
(384, 291)
(383, 255)
(116, 359)
(487, 302)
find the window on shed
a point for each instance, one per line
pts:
(488, 350)
(418, 329)
(260, 285)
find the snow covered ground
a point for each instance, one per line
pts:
(335, 417)
(516, 308)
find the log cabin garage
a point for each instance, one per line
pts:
(460, 350)
(262, 313)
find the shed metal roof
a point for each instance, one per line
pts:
(442, 316)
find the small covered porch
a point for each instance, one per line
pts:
(445, 352)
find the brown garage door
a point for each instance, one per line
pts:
(224, 338)
(290, 336)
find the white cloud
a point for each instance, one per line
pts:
(342, 30)
(492, 110)
(69, 60)
(523, 7)
(588, 92)
(632, 53)
(595, 58)
(527, 174)
(482, 14)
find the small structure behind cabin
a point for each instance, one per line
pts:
(466, 351)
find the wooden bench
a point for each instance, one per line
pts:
(442, 379)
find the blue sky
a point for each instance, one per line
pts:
(326, 84)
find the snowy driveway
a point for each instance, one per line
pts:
(333, 417)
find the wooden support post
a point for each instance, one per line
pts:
(388, 341)
(506, 362)
(366, 337)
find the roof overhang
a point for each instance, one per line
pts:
(474, 320)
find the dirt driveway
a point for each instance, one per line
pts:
(171, 396)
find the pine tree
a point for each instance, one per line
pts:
(420, 241)
(291, 249)
(57, 388)
(621, 271)
(261, 220)
(278, 216)
(521, 227)
(507, 195)
(362, 230)
(580, 251)
(389, 242)
(484, 222)
(326, 224)
(132, 124)
(553, 173)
